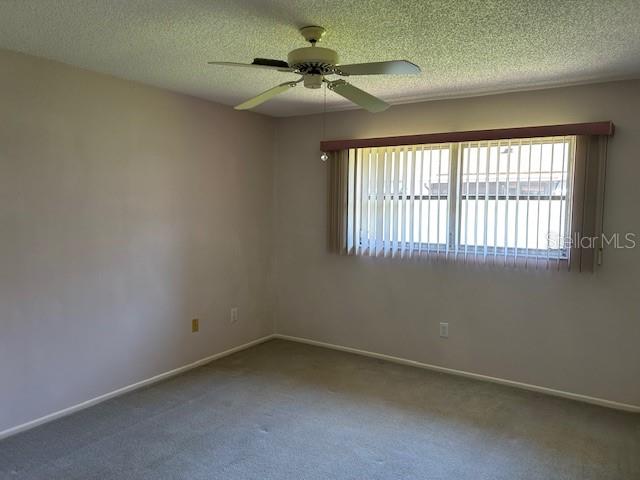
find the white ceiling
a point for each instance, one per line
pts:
(464, 47)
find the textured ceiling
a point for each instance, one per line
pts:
(464, 47)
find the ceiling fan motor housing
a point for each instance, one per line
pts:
(313, 60)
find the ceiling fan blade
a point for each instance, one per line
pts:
(279, 68)
(264, 96)
(270, 62)
(357, 96)
(392, 67)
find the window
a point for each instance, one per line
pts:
(505, 201)
(534, 198)
(513, 198)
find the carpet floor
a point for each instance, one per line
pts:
(283, 410)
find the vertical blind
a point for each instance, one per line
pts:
(501, 202)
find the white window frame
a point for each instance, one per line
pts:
(455, 198)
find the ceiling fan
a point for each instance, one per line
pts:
(314, 63)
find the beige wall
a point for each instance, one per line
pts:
(125, 211)
(578, 333)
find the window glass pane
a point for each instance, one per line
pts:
(430, 196)
(514, 194)
(398, 198)
(432, 229)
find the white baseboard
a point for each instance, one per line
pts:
(88, 403)
(143, 383)
(535, 388)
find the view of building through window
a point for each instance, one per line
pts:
(514, 196)
(506, 198)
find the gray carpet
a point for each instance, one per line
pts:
(283, 410)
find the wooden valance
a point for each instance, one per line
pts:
(605, 128)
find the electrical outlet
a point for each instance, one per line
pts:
(234, 315)
(444, 330)
(195, 325)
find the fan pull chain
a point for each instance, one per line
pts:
(323, 156)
